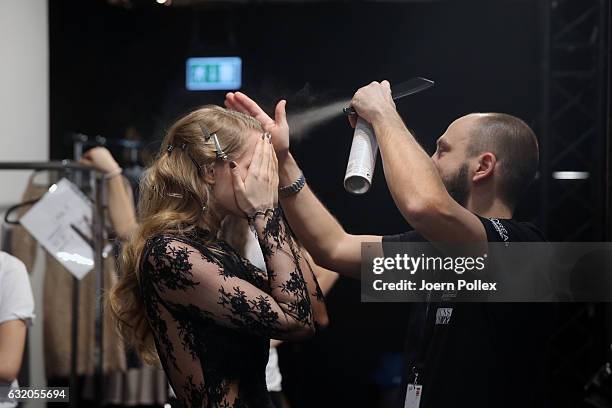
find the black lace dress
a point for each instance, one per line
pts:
(212, 312)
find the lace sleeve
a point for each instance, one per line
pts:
(212, 288)
(290, 274)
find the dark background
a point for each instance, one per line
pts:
(112, 69)
(116, 72)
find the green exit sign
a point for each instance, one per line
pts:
(214, 73)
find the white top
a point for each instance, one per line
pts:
(252, 252)
(16, 299)
(273, 374)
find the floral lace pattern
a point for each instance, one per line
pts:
(212, 312)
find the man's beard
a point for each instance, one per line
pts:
(458, 186)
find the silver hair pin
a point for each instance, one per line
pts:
(179, 195)
(220, 153)
(207, 136)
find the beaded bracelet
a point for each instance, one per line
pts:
(256, 214)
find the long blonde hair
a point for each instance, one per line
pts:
(175, 197)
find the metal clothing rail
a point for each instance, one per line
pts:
(97, 181)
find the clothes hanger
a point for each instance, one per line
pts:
(16, 207)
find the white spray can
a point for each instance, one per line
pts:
(362, 159)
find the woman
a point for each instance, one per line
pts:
(188, 297)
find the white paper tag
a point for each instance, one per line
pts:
(60, 221)
(413, 396)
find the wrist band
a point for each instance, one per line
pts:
(293, 188)
(113, 173)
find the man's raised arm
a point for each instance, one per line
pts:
(414, 182)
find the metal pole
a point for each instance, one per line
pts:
(79, 141)
(545, 131)
(98, 240)
(74, 385)
(606, 112)
(74, 341)
(600, 150)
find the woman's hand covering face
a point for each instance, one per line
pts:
(259, 190)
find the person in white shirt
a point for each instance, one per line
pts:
(16, 315)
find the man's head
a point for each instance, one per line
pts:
(493, 155)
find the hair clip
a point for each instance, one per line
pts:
(207, 136)
(178, 195)
(205, 132)
(183, 147)
(170, 147)
(220, 153)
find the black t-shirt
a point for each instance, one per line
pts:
(486, 354)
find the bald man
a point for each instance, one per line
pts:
(476, 355)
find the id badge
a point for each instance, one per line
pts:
(413, 396)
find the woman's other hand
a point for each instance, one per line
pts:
(100, 159)
(277, 127)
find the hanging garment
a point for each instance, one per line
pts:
(57, 307)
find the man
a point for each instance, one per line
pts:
(466, 192)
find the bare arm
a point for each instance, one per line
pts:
(318, 230)
(121, 207)
(120, 201)
(12, 344)
(413, 180)
(326, 278)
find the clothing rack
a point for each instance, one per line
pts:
(97, 182)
